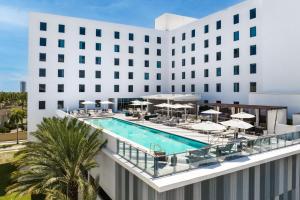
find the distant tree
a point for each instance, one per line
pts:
(16, 117)
(56, 164)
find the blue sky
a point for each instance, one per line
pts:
(13, 23)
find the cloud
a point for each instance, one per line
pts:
(13, 16)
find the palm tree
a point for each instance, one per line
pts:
(16, 117)
(56, 163)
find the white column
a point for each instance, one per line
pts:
(257, 117)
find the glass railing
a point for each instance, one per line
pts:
(158, 164)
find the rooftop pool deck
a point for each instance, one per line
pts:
(151, 138)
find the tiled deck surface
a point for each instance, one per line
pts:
(194, 135)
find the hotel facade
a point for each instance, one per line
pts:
(246, 54)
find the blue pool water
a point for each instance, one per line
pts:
(147, 136)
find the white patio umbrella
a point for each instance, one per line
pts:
(106, 102)
(208, 126)
(211, 112)
(242, 115)
(236, 124)
(86, 103)
(164, 105)
(186, 106)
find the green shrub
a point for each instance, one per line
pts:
(4, 130)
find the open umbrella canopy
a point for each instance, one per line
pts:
(164, 105)
(88, 103)
(186, 106)
(176, 106)
(208, 126)
(236, 123)
(211, 112)
(106, 102)
(242, 115)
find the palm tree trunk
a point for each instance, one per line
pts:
(17, 134)
(73, 191)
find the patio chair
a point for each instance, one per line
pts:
(227, 149)
(197, 155)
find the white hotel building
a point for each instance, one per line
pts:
(247, 53)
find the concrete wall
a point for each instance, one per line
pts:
(275, 117)
(296, 119)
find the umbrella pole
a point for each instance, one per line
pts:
(185, 114)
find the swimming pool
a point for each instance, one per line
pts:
(146, 136)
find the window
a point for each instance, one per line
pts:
(158, 64)
(98, 103)
(43, 42)
(60, 88)
(218, 56)
(236, 36)
(206, 43)
(42, 72)
(80, 104)
(206, 73)
(236, 52)
(236, 19)
(116, 48)
(116, 88)
(206, 28)
(81, 59)
(147, 39)
(81, 74)
(146, 51)
(193, 74)
(218, 40)
(253, 13)
(192, 88)
(218, 24)
(253, 31)
(193, 60)
(82, 31)
(173, 64)
(117, 61)
(61, 58)
(42, 105)
(253, 68)
(218, 71)
(158, 40)
(146, 76)
(117, 35)
(236, 102)
(98, 33)
(81, 88)
(218, 87)
(81, 45)
(97, 74)
(97, 88)
(146, 63)
(206, 58)
(206, 88)
(252, 50)
(183, 49)
(130, 88)
(252, 86)
(146, 88)
(173, 88)
(173, 52)
(42, 57)
(130, 62)
(60, 104)
(130, 75)
(130, 49)
(193, 47)
(116, 75)
(158, 52)
(43, 26)
(193, 33)
(236, 70)
(158, 88)
(173, 76)
(98, 60)
(182, 88)
(182, 75)
(183, 62)
(42, 87)
(98, 46)
(183, 36)
(61, 43)
(173, 39)
(60, 73)
(236, 87)
(131, 36)
(61, 28)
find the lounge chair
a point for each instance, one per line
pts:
(227, 149)
(197, 155)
